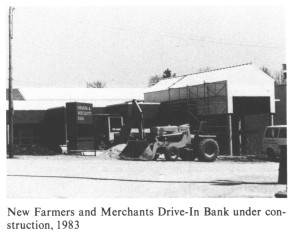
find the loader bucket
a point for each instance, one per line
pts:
(137, 150)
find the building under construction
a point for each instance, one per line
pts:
(225, 98)
(237, 104)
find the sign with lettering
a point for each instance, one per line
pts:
(84, 113)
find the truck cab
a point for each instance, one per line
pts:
(273, 137)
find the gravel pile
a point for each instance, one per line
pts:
(113, 152)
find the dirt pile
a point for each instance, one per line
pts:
(113, 152)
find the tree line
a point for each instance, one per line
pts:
(278, 76)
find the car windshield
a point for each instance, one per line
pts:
(272, 132)
(283, 133)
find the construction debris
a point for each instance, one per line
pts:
(113, 152)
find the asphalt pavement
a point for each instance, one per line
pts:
(97, 177)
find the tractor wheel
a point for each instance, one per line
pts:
(171, 153)
(207, 150)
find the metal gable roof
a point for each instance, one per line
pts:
(164, 84)
(243, 73)
(239, 72)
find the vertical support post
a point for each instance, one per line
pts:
(283, 165)
(208, 100)
(204, 98)
(109, 128)
(169, 107)
(11, 111)
(272, 119)
(65, 131)
(240, 135)
(243, 136)
(230, 135)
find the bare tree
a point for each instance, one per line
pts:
(154, 80)
(267, 71)
(278, 76)
(96, 84)
(205, 69)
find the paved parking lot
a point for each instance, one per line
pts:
(97, 177)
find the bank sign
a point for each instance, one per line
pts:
(84, 113)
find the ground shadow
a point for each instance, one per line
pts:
(215, 182)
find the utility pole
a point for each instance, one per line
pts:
(10, 93)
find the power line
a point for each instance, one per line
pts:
(192, 38)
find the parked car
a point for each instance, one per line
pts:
(274, 136)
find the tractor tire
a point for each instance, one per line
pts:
(207, 150)
(171, 153)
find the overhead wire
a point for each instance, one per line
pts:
(191, 38)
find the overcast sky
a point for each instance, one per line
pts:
(125, 46)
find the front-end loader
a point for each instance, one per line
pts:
(172, 141)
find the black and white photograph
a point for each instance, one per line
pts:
(146, 102)
(118, 102)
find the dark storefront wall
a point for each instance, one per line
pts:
(54, 126)
(25, 135)
(28, 127)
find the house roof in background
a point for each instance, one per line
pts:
(17, 96)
